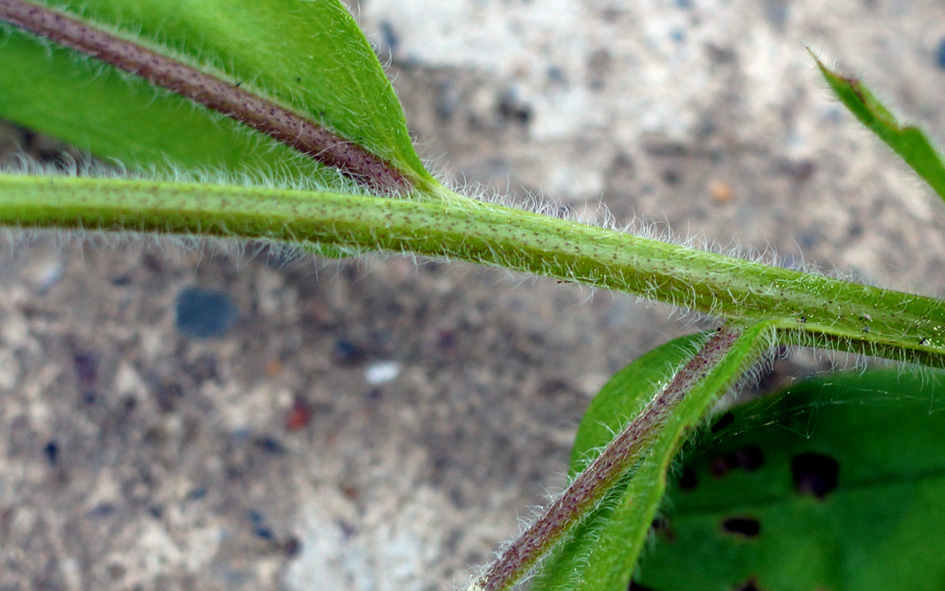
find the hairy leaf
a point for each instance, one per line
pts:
(307, 57)
(908, 141)
(601, 554)
(837, 484)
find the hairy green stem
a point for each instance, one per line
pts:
(830, 312)
(264, 115)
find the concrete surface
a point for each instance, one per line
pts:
(374, 425)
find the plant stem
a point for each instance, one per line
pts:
(285, 125)
(617, 459)
(827, 312)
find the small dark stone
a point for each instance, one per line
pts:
(348, 353)
(197, 494)
(204, 314)
(299, 415)
(672, 177)
(156, 511)
(512, 109)
(940, 55)
(291, 547)
(270, 444)
(116, 572)
(100, 511)
(347, 530)
(86, 371)
(166, 396)
(776, 12)
(446, 340)
(389, 37)
(265, 533)
(814, 474)
(51, 449)
(555, 74)
(255, 516)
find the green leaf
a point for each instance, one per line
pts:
(908, 141)
(309, 57)
(602, 552)
(625, 394)
(837, 484)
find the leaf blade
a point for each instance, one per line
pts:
(908, 141)
(303, 58)
(603, 552)
(844, 492)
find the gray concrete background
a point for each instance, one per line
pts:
(443, 398)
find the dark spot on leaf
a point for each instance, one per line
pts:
(634, 586)
(719, 467)
(814, 474)
(688, 479)
(749, 458)
(743, 526)
(723, 422)
(255, 516)
(204, 314)
(749, 585)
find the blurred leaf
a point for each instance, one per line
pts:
(908, 141)
(837, 484)
(308, 56)
(602, 552)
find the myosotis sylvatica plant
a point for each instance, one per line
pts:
(237, 92)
